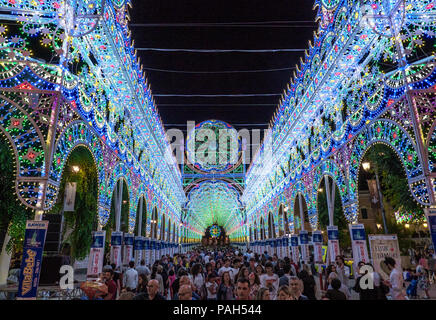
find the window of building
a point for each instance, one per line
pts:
(364, 213)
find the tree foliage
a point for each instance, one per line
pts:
(13, 216)
(339, 219)
(393, 180)
(84, 219)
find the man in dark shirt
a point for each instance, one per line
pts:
(296, 285)
(335, 294)
(152, 292)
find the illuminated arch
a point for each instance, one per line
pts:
(122, 172)
(297, 188)
(389, 133)
(75, 135)
(331, 169)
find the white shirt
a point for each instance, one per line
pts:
(209, 287)
(225, 269)
(274, 280)
(396, 279)
(130, 279)
(198, 281)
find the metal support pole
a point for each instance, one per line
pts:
(385, 227)
(118, 204)
(140, 216)
(300, 201)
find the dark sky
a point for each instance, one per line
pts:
(293, 31)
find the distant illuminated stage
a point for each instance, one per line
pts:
(215, 235)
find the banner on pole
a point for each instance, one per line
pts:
(294, 249)
(358, 244)
(34, 239)
(116, 242)
(128, 241)
(317, 247)
(304, 243)
(382, 246)
(138, 249)
(333, 242)
(147, 244)
(96, 255)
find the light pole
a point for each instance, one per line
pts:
(367, 166)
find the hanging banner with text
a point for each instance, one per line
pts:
(147, 250)
(116, 241)
(286, 247)
(358, 243)
(333, 243)
(317, 247)
(304, 244)
(382, 246)
(33, 247)
(96, 255)
(128, 242)
(294, 248)
(138, 248)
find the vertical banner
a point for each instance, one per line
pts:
(148, 246)
(70, 196)
(96, 255)
(33, 248)
(317, 247)
(116, 241)
(138, 249)
(156, 250)
(286, 246)
(358, 243)
(304, 244)
(128, 242)
(333, 243)
(279, 248)
(146, 251)
(382, 246)
(431, 217)
(294, 248)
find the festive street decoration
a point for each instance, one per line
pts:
(368, 77)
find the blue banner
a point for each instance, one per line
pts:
(294, 241)
(317, 237)
(33, 248)
(358, 233)
(139, 243)
(116, 238)
(333, 233)
(304, 237)
(128, 239)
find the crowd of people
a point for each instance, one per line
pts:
(229, 274)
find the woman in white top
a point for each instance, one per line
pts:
(197, 277)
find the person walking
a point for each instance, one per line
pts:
(130, 278)
(395, 282)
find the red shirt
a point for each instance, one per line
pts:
(112, 288)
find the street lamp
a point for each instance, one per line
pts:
(367, 166)
(75, 169)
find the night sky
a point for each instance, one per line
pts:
(292, 28)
